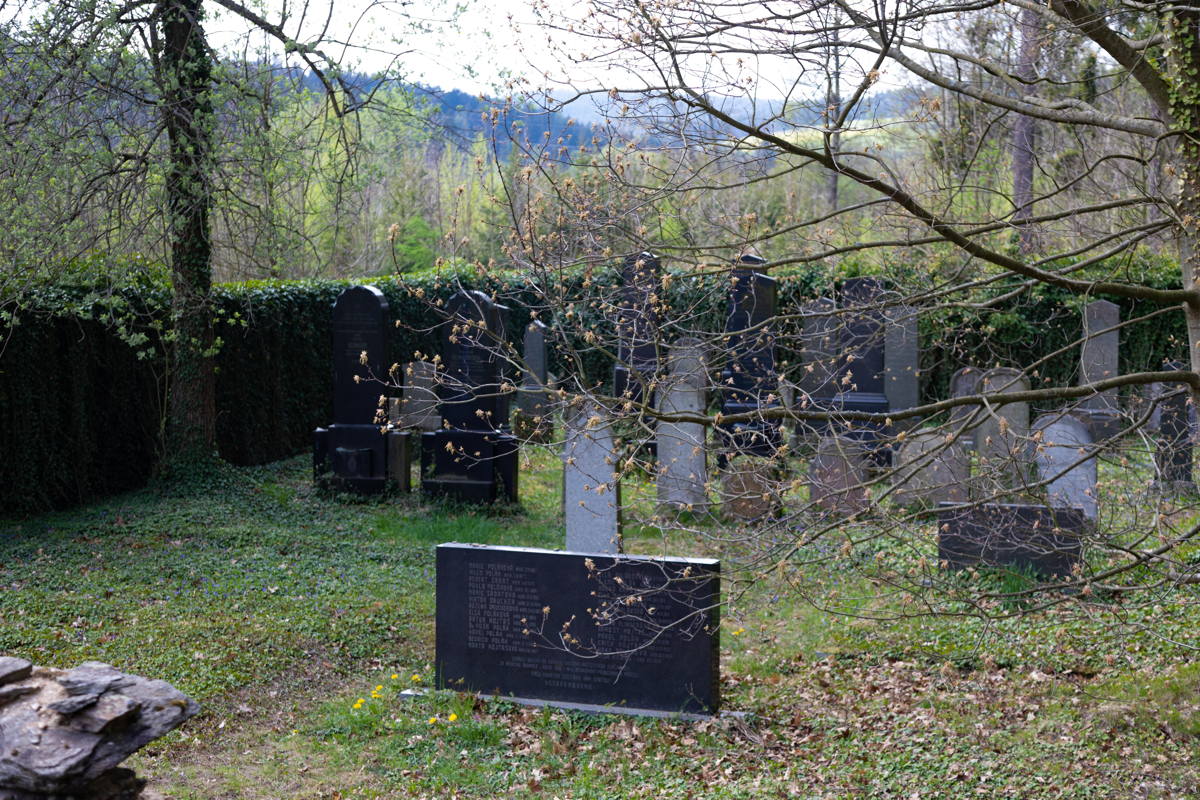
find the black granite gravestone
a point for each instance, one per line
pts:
(1045, 541)
(353, 452)
(749, 381)
(637, 327)
(474, 456)
(631, 632)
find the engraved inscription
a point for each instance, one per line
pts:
(499, 597)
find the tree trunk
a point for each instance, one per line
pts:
(1024, 138)
(187, 115)
(833, 110)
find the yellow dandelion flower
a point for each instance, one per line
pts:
(416, 678)
(433, 720)
(394, 676)
(452, 717)
(739, 631)
(379, 688)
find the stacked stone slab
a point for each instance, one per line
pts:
(1001, 436)
(682, 449)
(591, 482)
(473, 458)
(353, 452)
(1065, 459)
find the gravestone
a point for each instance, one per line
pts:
(902, 362)
(682, 446)
(837, 474)
(628, 634)
(1001, 436)
(820, 342)
(473, 458)
(637, 327)
(859, 378)
(964, 383)
(419, 400)
(352, 452)
(1099, 360)
(749, 489)
(1045, 541)
(929, 470)
(749, 381)
(1173, 456)
(532, 420)
(1064, 441)
(591, 483)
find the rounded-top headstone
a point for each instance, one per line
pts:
(1063, 453)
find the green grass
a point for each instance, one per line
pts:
(279, 608)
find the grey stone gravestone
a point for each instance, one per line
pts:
(1000, 439)
(1064, 441)
(749, 381)
(930, 470)
(749, 488)
(682, 446)
(837, 474)
(820, 343)
(964, 383)
(626, 634)
(1173, 456)
(902, 362)
(637, 327)
(419, 400)
(591, 485)
(352, 453)
(1045, 541)
(533, 401)
(473, 457)
(1099, 360)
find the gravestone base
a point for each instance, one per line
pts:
(351, 458)
(1045, 541)
(470, 466)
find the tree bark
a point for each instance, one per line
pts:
(187, 116)
(1024, 134)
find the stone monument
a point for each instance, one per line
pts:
(682, 448)
(637, 327)
(1099, 360)
(473, 458)
(837, 476)
(1065, 458)
(930, 470)
(591, 482)
(1173, 457)
(352, 453)
(1001, 436)
(1047, 542)
(532, 420)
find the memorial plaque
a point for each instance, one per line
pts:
(602, 632)
(1044, 541)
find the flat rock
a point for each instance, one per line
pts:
(14, 669)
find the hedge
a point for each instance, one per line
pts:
(82, 411)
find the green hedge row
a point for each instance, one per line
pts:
(81, 407)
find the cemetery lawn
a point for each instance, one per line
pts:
(296, 618)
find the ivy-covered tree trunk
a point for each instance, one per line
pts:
(186, 74)
(1183, 30)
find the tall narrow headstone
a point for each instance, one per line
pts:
(902, 361)
(353, 449)
(860, 373)
(637, 326)
(1063, 453)
(591, 482)
(1173, 457)
(749, 381)
(1001, 436)
(837, 476)
(1099, 360)
(473, 457)
(964, 383)
(930, 470)
(533, 402)
(682, 449)
(820, 342)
